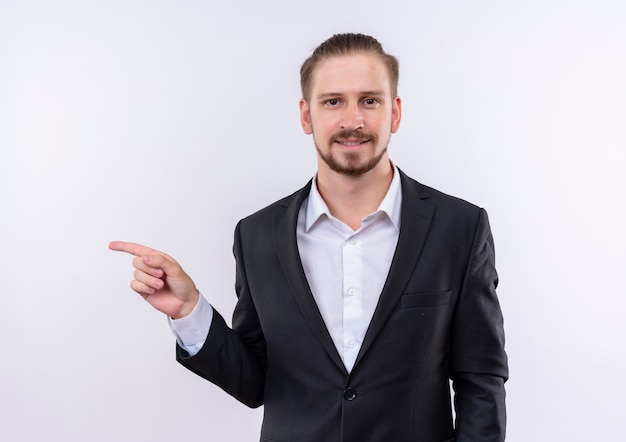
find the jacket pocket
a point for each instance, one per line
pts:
(426, 299)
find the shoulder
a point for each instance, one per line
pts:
(286, 205)
(453, 206)
(450, 219)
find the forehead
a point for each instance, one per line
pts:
(351, 73)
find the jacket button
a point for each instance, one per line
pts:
(349, 394)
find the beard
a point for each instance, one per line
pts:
(351, 163)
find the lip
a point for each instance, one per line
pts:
(351, 144)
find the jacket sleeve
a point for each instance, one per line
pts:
(233, 359)
(478, 362)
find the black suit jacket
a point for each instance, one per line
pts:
(438, 318)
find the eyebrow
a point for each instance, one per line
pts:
(339, 94)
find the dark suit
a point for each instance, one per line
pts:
(438, 318)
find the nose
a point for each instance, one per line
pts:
(352, 117)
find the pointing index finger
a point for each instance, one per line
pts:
(130, 247)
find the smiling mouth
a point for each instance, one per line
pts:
(350, 143)
(352, 139)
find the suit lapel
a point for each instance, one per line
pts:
(285, 241)
(415, 222)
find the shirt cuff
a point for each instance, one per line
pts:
(192, 330)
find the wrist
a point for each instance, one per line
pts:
(187, 307)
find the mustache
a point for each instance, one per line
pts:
(352, 135)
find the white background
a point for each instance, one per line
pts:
(165, 122)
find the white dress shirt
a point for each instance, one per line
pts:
(346, 270)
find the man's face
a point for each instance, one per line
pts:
(351, 113)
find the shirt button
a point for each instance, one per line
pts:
(352, 291)
(351, 343)
(349, 394)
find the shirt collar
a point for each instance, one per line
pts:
(390, 205)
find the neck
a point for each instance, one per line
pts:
(349, 198)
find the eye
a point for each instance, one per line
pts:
(331, 102)
(370, 101)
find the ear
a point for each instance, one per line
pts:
(396, 114)
(305, 117)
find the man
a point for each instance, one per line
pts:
(359, 296)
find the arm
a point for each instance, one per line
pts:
(478, 364)
(234, 358)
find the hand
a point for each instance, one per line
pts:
(160, 280)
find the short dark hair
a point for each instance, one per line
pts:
(346, 44)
